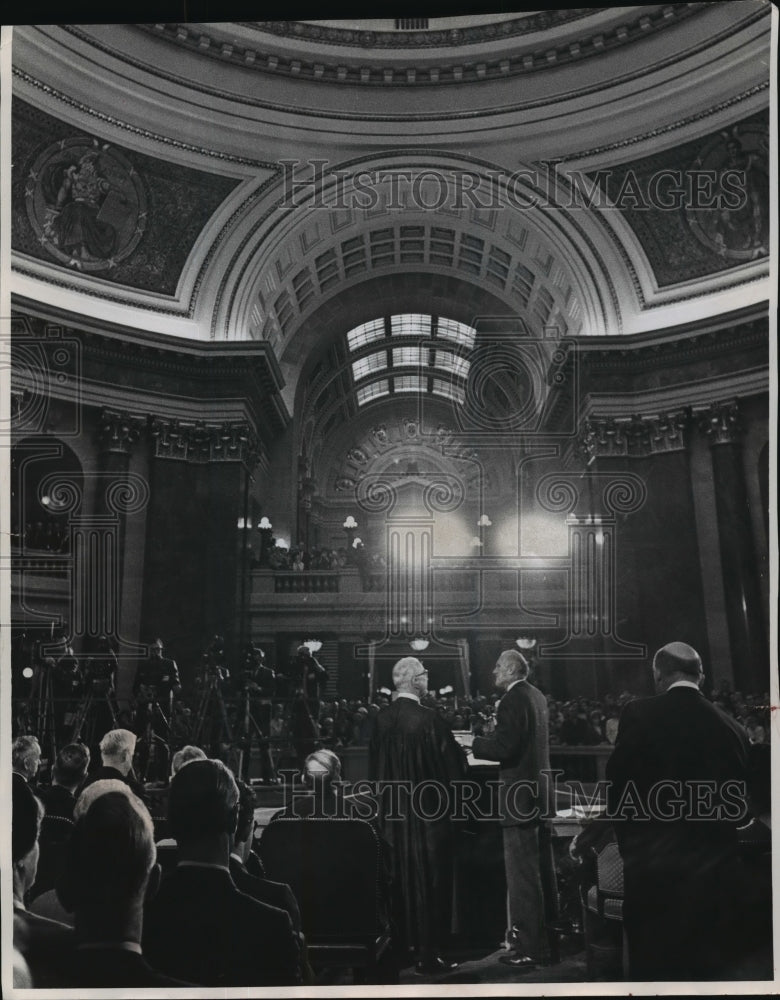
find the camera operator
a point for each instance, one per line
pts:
(309, 677)
(68, 688)
(156, 683)
(256, 676)
(100, 684)
(256, 685)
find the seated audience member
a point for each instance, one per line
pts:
(274, 893)
(322, 777)
(199, 926)
(69, 771)
(116, 753)
(111, 869)
(26, 757)
(43, 944)
(184, 756)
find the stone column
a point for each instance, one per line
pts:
(722, 426)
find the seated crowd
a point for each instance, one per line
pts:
(582, 721)
(107, 916)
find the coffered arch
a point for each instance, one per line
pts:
(450, 216)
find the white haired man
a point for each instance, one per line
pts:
(412, 744)
(116, 753)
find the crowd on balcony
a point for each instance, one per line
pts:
(50, 535)
(371, 566)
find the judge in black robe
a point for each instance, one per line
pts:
(412, 744)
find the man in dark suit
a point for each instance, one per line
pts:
(116, 753)
(111, 869)
(413, 745)
(69, 770)
(200, 927)
(44, 944)
(676, 795)
(520, 743)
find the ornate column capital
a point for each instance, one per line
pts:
(721, 423)
(201, 442)
(118, 432)
(632, 437)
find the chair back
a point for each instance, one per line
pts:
(609, 870)
(53, 842)
(333, 869)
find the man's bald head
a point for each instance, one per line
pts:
(408, 675)
(676, 661)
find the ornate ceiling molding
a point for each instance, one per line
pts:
(469, 35)
(349, 70)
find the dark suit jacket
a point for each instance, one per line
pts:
(684, 887)
(104, 773)
(58, 801)
(115, 967)
(275, 894)
(200, 928)
(677, 736)
(46, 946)
(522, 746)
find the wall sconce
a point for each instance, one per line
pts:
(418, 645)
(242, 523)
(265, 528)
(525, 643)
(484, 522)
(313, 645)
(350, 527)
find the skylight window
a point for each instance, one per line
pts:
(410, 325)
(405, 356)
(373, 391)
(458, 332)
(449, 362)
(366, 333)
(447, 389)
(410, 383)
(369, 364)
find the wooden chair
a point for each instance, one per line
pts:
(602, 911)
(334, 867)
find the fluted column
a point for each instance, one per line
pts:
(723, 428)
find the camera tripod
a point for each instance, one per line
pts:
(152, 751)
(40, 710)
(251, 728)
(89, 707)
(211, 711)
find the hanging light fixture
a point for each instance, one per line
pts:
(313, 645)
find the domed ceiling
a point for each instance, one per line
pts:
(247, 180)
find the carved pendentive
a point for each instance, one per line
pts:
(202, 442)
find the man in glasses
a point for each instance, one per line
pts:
(412, 745)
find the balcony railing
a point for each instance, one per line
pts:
(40, 562)
(306, 582)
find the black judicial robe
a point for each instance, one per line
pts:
(412, 745)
